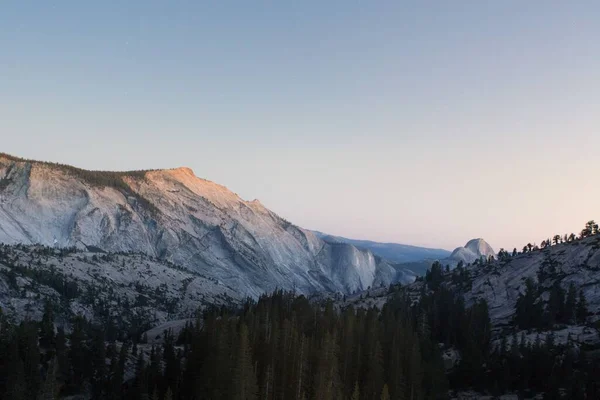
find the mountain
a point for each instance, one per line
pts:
(475, 249)
(503, 281)
(176, 217)
(400, 253)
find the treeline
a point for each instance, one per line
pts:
(97, 178)
(591, 228)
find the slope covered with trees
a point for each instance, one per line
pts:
(279, 347)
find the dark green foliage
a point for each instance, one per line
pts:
(434, 276)
(47, 327)
(581, 310)
(561, 308)
(283, 347)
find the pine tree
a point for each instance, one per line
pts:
(356, 392)
(571, 304)
(47, 327)
(582, 310)
(385, 393)
(141, 382)
(49, 389)
(98, 364)
(62, 355)
(244, 380)
(374, 382)
(77, 352)
(415, 373)
(30, 352)
(16, 389)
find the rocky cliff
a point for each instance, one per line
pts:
(177, 217)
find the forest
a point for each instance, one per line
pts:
(283, 346)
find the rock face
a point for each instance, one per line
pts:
(475, 249)
(501, 282)
(134, 290)
(177, 217)
(400, 253)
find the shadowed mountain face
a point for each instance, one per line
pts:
(396, 252)
(175, 216)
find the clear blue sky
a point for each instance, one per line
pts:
(417, 122)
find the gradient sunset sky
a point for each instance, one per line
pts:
(426, 123)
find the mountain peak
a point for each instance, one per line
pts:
(473, 250)
(480, 247)
(182, 171)
(186, 170)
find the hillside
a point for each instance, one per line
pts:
(129, 291)
(525, 326)
(502, 282)
(174, 216)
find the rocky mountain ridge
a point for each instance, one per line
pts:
(174, 216)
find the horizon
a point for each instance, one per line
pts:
(409, 124)
(496, 250)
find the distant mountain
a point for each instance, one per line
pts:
(400, 253)
(474, 249)
(176, 217)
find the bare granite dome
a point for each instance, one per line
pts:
(473, 250)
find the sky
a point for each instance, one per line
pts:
(425, 123)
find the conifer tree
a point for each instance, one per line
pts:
(582, 310)
(385, 393)
(77, 352)
(374, 382)
(62, 358)
(16, 389)
(244, 380)
(30, 352)
(415, 373)
(571, 304)
(141, 382)
(98, 364)
(49, 390)
(356, 392)
(47, 327)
